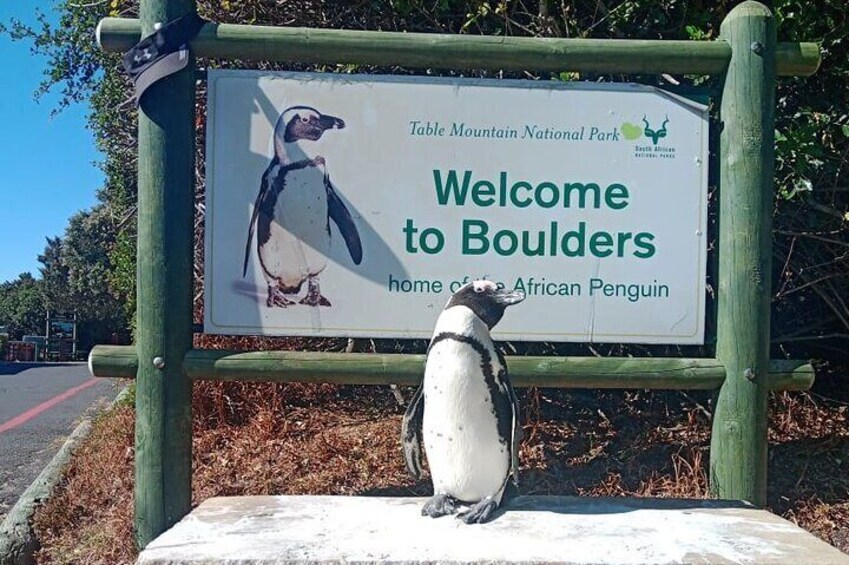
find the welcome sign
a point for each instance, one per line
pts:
(342, 205)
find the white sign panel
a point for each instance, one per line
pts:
(342, 205)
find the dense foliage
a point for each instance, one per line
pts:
(22, 309)
(811, 278)
(75, 272)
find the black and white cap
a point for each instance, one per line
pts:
(162, 53)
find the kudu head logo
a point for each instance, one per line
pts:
(655, 135)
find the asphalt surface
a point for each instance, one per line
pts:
(32, 432)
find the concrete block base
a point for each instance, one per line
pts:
(529, 529)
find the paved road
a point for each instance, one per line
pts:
(40, 405)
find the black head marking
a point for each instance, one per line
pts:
(486, 300)
(305, 122)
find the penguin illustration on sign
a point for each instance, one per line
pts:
(465, 409)
(293, 210)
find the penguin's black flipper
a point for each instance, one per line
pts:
(338, 212)
(516, 429)
(518, 433)
(411, 433)
(263, 192)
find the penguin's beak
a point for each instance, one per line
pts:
(508, 298)
(331, 122)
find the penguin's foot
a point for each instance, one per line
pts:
(314, 297)
(277, 299)
(439, 505)
(315, 300)
(480, 512)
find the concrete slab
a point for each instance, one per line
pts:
(531, 529)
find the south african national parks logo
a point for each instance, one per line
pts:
(654, 150)
(655, 135)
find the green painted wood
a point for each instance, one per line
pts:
(355, 368)
(381, 369)
(113, 361)
(738, 454)
(164, 278)
(797, 59)
(442, 51)
(791, 374)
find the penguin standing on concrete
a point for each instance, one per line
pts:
(465, 409)
(293, 209)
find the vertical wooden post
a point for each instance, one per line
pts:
(738, 454)
(164, 312)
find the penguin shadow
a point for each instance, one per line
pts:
(421, 487)
(378, 258)
(601, 506)
(588, 506)
(514, 501)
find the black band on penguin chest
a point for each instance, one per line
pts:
(501, 406)
(270, 192)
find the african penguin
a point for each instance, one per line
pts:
(465, 409)
(293, 209)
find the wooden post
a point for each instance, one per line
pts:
(738, 454)
(164, 278)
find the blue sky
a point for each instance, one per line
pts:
(47, 165)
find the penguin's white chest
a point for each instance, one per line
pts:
(300, 234)
(467, 458)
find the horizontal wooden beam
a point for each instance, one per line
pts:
(444, 51)
(113, 361)
(377, 368)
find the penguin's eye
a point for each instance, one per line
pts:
(483, 286)
(305, 119)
